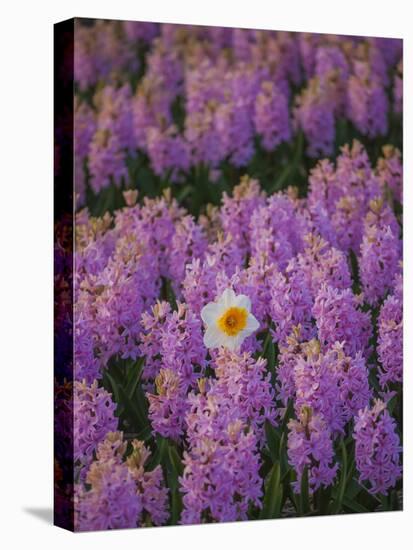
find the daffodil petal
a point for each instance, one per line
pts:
(210, 312)
(252, 324)
(228, 298)
(213, 337)
(233, 343)
(243, 301)
(214, 314)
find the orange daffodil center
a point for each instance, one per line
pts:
(228, 321)
(233, 320)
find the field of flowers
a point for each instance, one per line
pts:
(237, 278)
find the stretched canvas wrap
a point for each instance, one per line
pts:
(228, 274)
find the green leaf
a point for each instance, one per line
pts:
(343, 478)
(270, 356)
(374, 382)
(132, 410)
(184, 193)
(354, 267)
(144, 434)
(174, 472)
(159, 455)
(176, 461)
(280, 181)
(176, 506)
(392, 403)
(350, 474)
(394, 501)
(266, 343)
(385, 503)
(354, 506)
(353, 489)
(141, 402)
(134, 376)
(168, 293)
(116, 392)
(285, 468)
(288, 414)
(304, 498)
(292, 496)
(273, 440)
(323, 498)
(273, 494)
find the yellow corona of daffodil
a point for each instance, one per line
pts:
(228, 321)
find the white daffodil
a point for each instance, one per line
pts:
(228, 321)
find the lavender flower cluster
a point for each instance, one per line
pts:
(165, 429)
